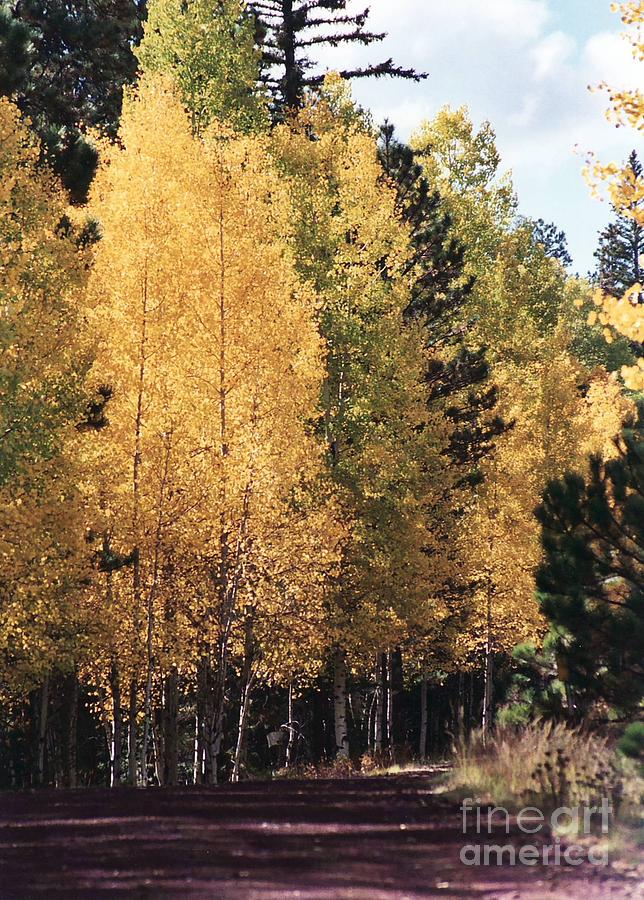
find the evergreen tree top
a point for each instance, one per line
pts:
(288, 29)
(65, 65)
(621, 245)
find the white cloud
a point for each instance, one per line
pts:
(527, 114)
(551, 54)
(607, 57)
(523, 64)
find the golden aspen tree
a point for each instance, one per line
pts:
(283, 631)
(518, 310)
(208, 49)
(43, 365)
(209, 344)
(463, 164)
(267, 371)
(382, 448)
(44, 361)
(45, 629)
(560, 414)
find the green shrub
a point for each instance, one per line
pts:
(632, 744)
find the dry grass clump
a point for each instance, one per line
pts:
(548, 764)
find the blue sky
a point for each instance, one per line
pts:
(525, 65)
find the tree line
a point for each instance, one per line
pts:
(280, 396)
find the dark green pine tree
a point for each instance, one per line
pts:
(552, 239)
(439, 294)
(65, 65)
(621, 246)
(289, 29)
(591, 582)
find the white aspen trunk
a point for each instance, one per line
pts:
(240, 747)
(470, 701)
(486, 719)
(380, 705)
(116, 729)
(197, 765)
(131, 736)
(108, 728)
(157, 750)
(390, 708)
(245, 700)
(116, 734)
(488, 672)
(147, 707)
(371, 722)
(215, 737)
(290, 745)
(340, 704)
(151, 622)
(422, 746)
(136, 523)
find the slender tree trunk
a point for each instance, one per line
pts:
(340, 704)
(244, 710)
(116, 731)
(197, 765)
(381, 676)
(147, 702)
(136, 526)
(290, 746)
(43, 711)
(291, 79)
(171, 728)
(422, 747)
(390, 708)
(150, 611)
(488, 671)
(170, 712)
(158, 747)
(215, 739)
(247, 680)
(215, 697)
(371, 721)
(460, 708)
(132, 735)
(230, 576)
(486, 719)
(202, 719)
(69, 729)
(210, 712)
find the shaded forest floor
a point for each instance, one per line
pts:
(385, 837)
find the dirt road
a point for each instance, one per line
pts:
(384, 838)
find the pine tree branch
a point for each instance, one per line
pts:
(358, 21)
(385, 69)
(334, 40)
